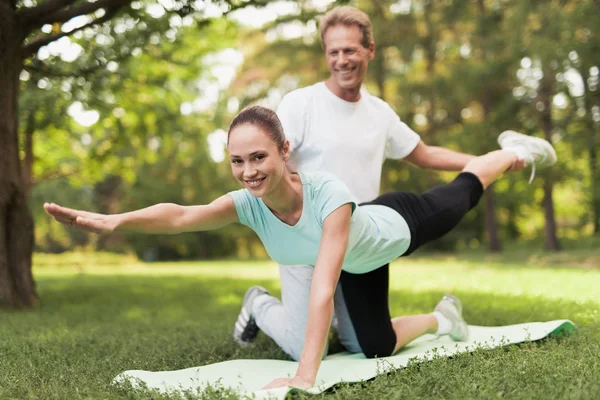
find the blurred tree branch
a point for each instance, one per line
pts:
(31, 16)
(43, 40)
(62, 11)
(40, 68)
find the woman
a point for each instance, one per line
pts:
(313, 219)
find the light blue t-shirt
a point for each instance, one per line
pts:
(378, 234)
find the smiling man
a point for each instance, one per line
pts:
(336, 126)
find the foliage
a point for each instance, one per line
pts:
(143, 150)
(457, 72)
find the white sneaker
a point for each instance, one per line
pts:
(537, 152)
(451, 308)
(245, 329)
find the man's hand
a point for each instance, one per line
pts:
(518, 165)
(83, 220)
(296, 382)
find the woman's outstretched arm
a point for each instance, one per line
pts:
(165, 218)
(332, 250)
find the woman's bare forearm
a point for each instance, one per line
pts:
(320, 313)
(334, 241)
(161, 218)
(165, 218)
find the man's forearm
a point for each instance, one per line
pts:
(443, 159)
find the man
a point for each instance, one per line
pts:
(336, 126)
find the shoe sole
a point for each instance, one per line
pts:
(462, 338)
(248, 317)
(455, 308)
(452, 299)
(547, 146)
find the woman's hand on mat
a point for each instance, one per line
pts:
(84, 220)
(296, 381)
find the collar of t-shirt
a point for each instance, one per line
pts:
(339, 102)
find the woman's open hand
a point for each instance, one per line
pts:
(296, 382)
(87, 221)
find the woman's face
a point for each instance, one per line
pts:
(255, 160)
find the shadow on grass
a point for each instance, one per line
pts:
(582, 259)
(90, 328)
(493, 310)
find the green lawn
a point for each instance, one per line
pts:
(95, 321)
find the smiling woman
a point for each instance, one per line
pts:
(313, 219)
(259, 152)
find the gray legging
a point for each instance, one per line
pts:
(285, 321)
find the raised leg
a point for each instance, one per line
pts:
(491, 166)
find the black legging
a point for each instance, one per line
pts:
(429, 216)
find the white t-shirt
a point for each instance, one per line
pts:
(349, 140)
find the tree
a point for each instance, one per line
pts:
(586, 44)
(419, 49)
(450, 70)
(26, 27)
(544, 32)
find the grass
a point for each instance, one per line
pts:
(99, 317)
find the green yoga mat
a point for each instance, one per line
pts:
(247, 377)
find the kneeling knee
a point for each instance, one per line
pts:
(378, 350)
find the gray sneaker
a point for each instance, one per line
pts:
(245, 329)
(541, 153)
(451, 308)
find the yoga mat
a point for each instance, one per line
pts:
(247, 377)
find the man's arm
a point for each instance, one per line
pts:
(440, 158)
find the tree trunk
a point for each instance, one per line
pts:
(29, 156)
(491, 222)
(595, 175)
(550, 238)
(429, 46)
(17, 288)
(379, 61)
(593, 142)
(107, 194)
(380, 73)
(512, 230)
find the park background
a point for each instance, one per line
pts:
(134, 112)
(125, 104)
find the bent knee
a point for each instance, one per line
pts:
(378, 353)
(378, 349)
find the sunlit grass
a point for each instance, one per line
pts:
(99, 318)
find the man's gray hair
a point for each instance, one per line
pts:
(348, 16)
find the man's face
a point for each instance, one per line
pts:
(347, 59)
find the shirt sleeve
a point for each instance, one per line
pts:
(243, 205)
(331, 195)
(401, 139)
(291, 112)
